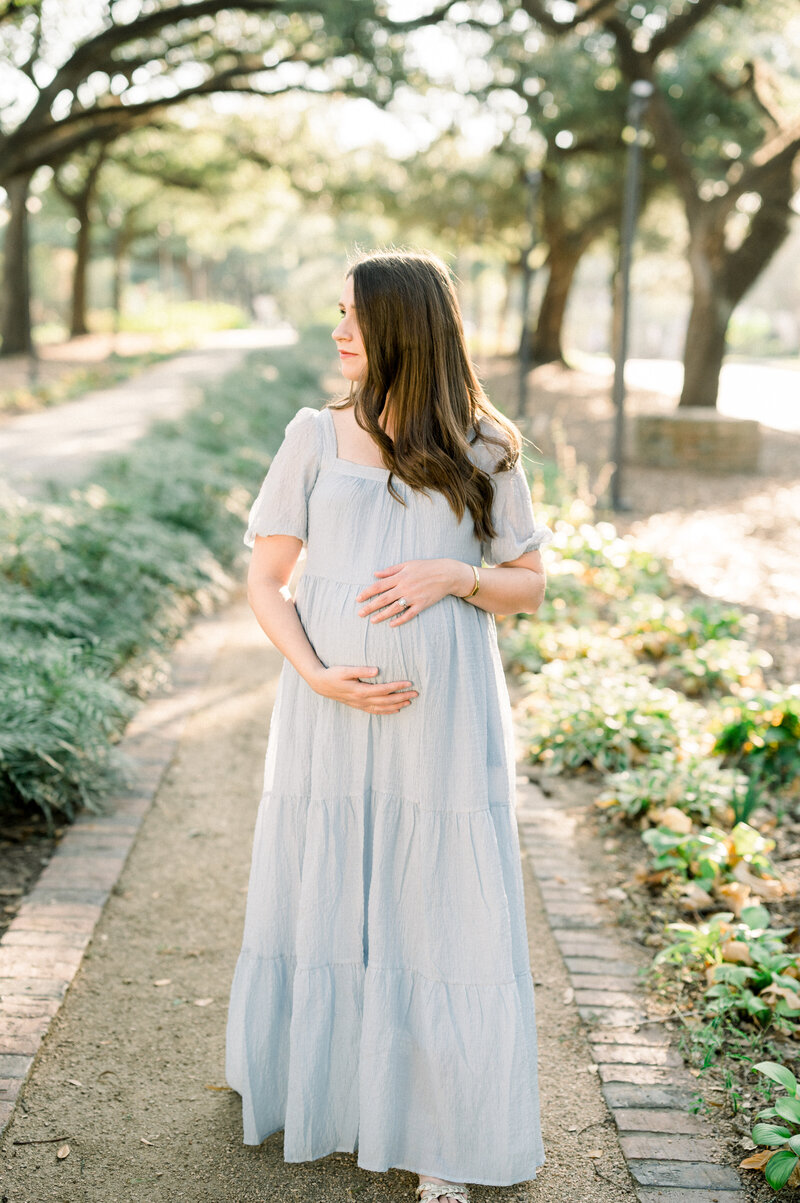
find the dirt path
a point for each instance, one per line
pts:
(125, 1069)
(63, 443)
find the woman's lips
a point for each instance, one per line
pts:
(348, 354)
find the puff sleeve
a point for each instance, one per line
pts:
(281, 507)
(512, 513)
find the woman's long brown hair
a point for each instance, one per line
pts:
(410, 322)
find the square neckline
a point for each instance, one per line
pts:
(370, 469)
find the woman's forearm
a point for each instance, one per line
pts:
(274, 608)
(503, 590)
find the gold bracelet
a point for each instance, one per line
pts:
(476, 586)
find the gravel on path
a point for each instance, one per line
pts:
(131, 1072)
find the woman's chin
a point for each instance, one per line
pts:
(351, 372)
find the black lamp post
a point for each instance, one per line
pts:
(533, 180)
(638, 100)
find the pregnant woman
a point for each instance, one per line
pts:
(383, 999)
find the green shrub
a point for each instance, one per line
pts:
(697, 785)
(762, 734)
(782, 1168)
(96, 584)
(746, 968)
(709, 855)
(714, 666)
(59, 712)
(591, 714)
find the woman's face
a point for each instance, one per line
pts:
(347, 336)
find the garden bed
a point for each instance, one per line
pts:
(666, 710)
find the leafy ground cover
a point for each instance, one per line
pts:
(663, 705)
(96, 584)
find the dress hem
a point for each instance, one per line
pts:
(383, 1169)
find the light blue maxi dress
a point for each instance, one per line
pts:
(383, 999)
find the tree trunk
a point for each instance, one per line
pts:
(711, 312)
(547, 345)
(16, 286)
(78, 324)
(704, 350)
(504, 311)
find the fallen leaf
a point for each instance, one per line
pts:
(656, 878)
(676, 820)
(594, 1153)
(63, 1152)
(736, 895)
(790, 996)
(694, 898)
(737, 951)
(569, 995)
(209, 1086)
(768, 888)
(74, 1082)
(163, 981)
(203, 1002)
(756, 1161)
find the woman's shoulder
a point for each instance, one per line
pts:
(490, 451)
(304, 419)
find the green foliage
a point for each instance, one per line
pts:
(709, 855)
(578, 713)
(761, 733)
(695, 784)
(58, 714)
(719, 664)
(783, 1136)
(96, 585)
(746, 967)
(657, 626)
(189, 318)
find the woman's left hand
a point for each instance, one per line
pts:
(420, 582)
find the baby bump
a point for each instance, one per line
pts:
(417, 650)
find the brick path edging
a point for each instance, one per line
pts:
(44, 945)
(648, 1090)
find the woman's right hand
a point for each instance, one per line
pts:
(340, 682)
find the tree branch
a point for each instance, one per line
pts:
(679, 28)
(594, 10)
(768, 227)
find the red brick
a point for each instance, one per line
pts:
(25, 961)
(15, 937)
(27, 1044)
